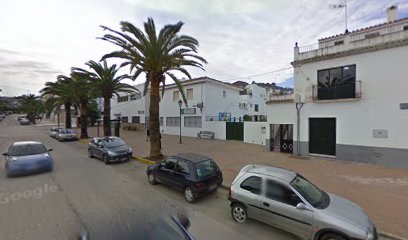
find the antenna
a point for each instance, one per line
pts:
(342, 5)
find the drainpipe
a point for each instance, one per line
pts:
(298, 107)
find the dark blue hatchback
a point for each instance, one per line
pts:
(27, 157)
(195, 174)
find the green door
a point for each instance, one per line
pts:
(235, 131)
(322, 136)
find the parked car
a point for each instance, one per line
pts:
(53, 131)
(24, 121)
(66, 135)
(109, 149)
(27, 157)
(19, 117)
(195, 174)
(287, 200)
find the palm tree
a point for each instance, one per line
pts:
(83, 95)
(59, 93)
(157, 56)
(30, 105)
(106, 84)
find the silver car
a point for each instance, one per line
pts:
(288, 201)
(66, 135)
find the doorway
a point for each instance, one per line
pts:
(322, 136)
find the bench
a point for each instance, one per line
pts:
(208, 134)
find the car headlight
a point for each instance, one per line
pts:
(130, 149)
(111, 153)
(370, 236)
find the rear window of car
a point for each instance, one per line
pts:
(67, 131)
(28, 149)
(205, 168)
(113, 142)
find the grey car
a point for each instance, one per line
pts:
(286, 200)
(109, 149)
(66, 135)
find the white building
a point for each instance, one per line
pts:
(252, 102)
(211, 104)
(353, 87)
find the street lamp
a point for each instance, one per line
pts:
(180, 103)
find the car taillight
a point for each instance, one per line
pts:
(199, 185)
(229, 192)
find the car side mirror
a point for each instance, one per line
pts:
(301, 206)
(50, 150)
(5, 154)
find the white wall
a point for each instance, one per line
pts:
(129, 108)
(384, 86)
(255, 132)
(258, 97)
(214, 102)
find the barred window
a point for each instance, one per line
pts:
(193, 121)
(123, 99)
(135, 96)
(172, 121)
(125, 119)
(135, 119)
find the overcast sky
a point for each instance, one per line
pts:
(43, 38)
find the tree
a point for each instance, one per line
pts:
(59, 93)
(107, 83)
(31, 106)
(83, 95)
(157, 56)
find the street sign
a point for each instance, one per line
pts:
(188, 111)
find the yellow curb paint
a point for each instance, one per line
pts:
(143, 160)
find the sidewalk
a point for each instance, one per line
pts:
(381, 191)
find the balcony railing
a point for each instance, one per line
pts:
(344, 91)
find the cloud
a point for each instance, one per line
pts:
(238, 38)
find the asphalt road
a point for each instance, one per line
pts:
(85, 194)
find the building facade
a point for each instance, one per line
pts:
(352, 93)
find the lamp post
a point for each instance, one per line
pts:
(180, 103)
(299, 105)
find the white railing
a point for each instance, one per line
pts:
(281, 98)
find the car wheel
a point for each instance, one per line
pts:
(90, 154)
(239, 213)
(152, 179)
(189, 195)
(332, 236)
(105, 159)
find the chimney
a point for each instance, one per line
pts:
(392, 13)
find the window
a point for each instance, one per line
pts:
(316, 197)
(372, 35)
(161, 121)
(135, 119)
(336, 83)
(256, 107)
(123, 99)
(193, 121)
(252, 184)
(278, 192)
(172, 121)
(190, 94)
(224, 93)
(27, 149)
(168, 164)
(125, 120)
(176, 96)
(205, 168)
(182, 167)
(140, 112)
(338, 42)
(405, 27)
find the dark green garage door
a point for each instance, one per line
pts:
(235, 131)
(322, 136)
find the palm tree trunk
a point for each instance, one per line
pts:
(84, 119)
(154, 122)
(67, 107)
(106, 116)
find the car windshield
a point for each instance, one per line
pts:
(67, 131)
(316, 197)
(113, 142)
(205, 168)
(27, 149)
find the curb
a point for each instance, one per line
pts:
(143, 160)
(391, 236)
